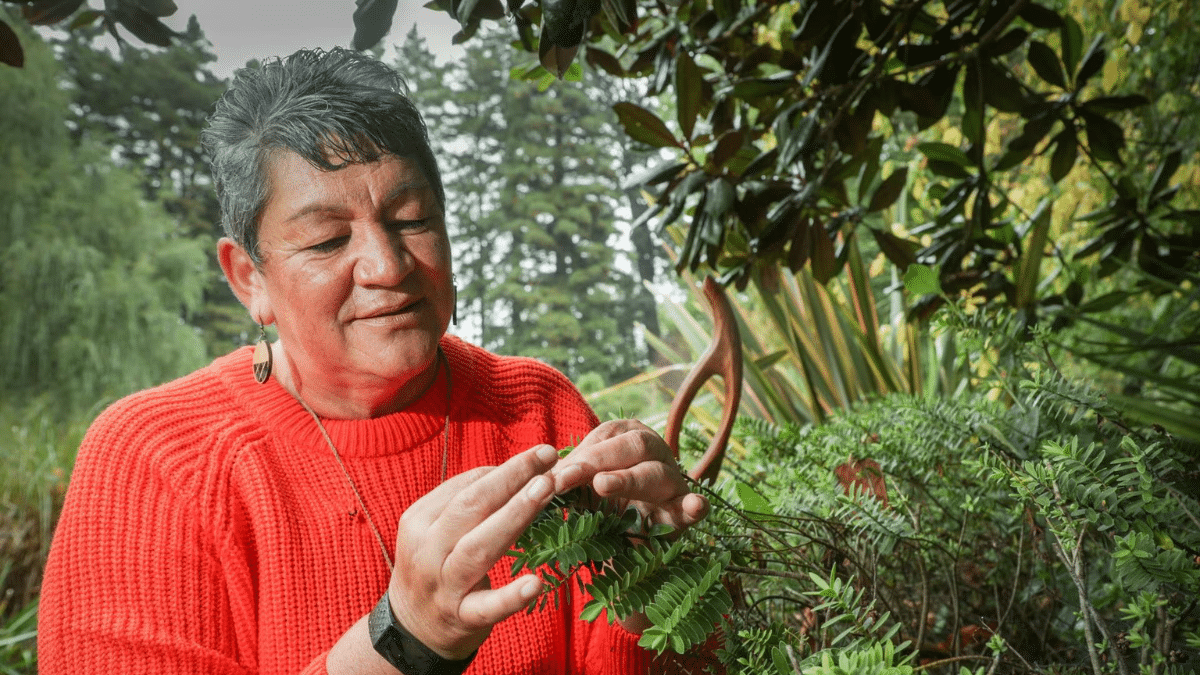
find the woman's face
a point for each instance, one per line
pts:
(355, 271)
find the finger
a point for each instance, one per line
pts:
(680, 513)
(651, 482)
(488, 607)
(488, 494)
(426, 509)
(610, 453)
(478, 550)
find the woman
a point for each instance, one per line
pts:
(348, 511)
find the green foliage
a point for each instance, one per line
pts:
(934, 127)
(679, 593)
(1025, 523)
(148, 107)
(534, 204)
(96, 282)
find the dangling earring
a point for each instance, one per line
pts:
(454, 315)
(263, 358)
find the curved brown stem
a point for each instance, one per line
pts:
(723, 357)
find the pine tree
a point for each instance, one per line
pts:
(533, 206)
(150, 105)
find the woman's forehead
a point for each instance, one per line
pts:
(298, 187)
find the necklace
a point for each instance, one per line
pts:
(354, 488)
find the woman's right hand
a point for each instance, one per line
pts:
(448, 540)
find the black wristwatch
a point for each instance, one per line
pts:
(405, 652)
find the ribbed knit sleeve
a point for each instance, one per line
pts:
(135, 582)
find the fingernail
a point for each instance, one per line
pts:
(539, 489)
(547, 453)
(607, 483)
(571, 475)
(532, 588)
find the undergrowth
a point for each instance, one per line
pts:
(1024, 526)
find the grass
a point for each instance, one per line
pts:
(39, 447)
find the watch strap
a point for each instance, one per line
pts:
(406, 653)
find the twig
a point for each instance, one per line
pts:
(761, 571)
(952, 659)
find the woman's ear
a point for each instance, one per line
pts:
(245, 279)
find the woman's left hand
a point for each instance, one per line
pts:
(625, 461)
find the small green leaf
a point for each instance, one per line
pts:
(944, 152)
(752, 500)
(574, 73)
(922, 280)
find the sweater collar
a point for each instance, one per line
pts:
(283, 416)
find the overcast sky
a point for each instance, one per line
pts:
(241, 30)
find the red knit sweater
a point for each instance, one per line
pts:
(208, 528)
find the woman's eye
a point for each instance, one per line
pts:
(408, 225)
(328, 245)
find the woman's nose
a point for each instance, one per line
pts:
(381, 259)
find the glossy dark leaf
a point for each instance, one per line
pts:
(689, 83)
(11, 53)
(1105, 302)
(851, 134)
(45, 12)
(1071, 37)
(764, 162)
(159, 8)
(1008, 42)
(654, 175)
(795, 140)
(764, 87)
(798, 251)
(1074, 294)
(644, 126)
(1107, 104)
(981, 214)
(972, 91)
(556, 60)
(889, 190)
(727, 146)
(1000, 89)
(143, 25)
(1065, 152)
(900, 252)
(85, 18)
(822, 255)
(602, 60)
(1040, 16)
(1165, 170)
(372, 20)
(1105, 138)
(564, 24)
(621, 13)
(1093, 61)
(1046, 64)
(818, 65)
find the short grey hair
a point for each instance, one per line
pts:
(332, 108)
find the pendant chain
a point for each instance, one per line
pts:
(354, 488)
